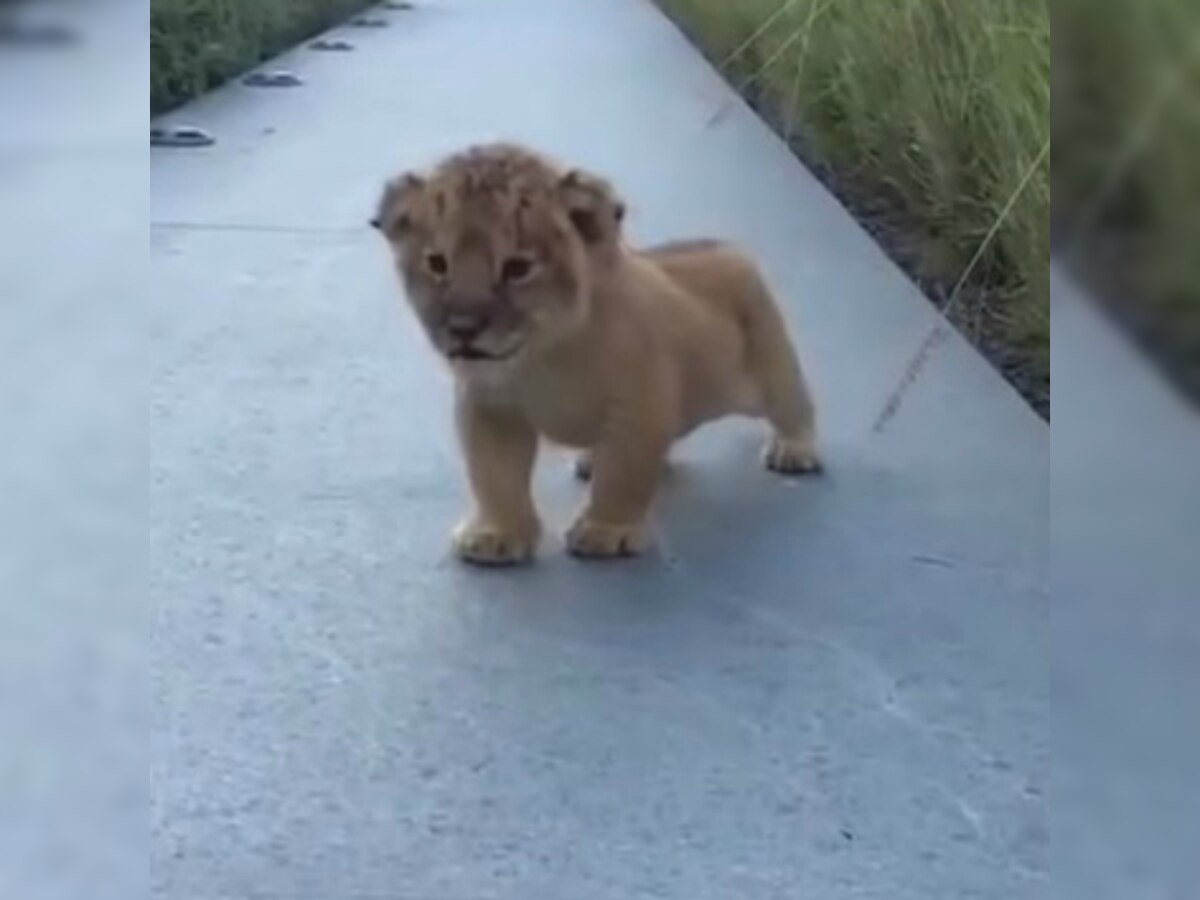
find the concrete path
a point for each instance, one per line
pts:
(829, 689)
(1125, 628)
(74, 275)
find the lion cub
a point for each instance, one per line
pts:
(555, 328)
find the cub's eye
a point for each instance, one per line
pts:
(437, 264)
(516, 268)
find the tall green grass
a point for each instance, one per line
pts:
(933, 115)
(1127, 187)
(197, 44)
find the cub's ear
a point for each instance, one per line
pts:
(392, 212)
(594, 207)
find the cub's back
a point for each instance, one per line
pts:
(711, 335)
(714, 272)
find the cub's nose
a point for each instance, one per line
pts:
(465, 327)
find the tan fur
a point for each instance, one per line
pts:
(593, 344)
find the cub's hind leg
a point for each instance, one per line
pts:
(786, 401)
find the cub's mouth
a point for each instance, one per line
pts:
(471, 353)
(468, 353)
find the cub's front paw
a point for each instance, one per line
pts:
(599, 540)
(791, 456)
(488, 545)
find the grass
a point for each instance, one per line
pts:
(197, 44)
(931, 119)
(1128, 128)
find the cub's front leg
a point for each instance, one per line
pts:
(500, 448)
(625, 471)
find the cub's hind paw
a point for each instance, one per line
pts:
(582, 467)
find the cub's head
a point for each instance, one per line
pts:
(498, 249)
